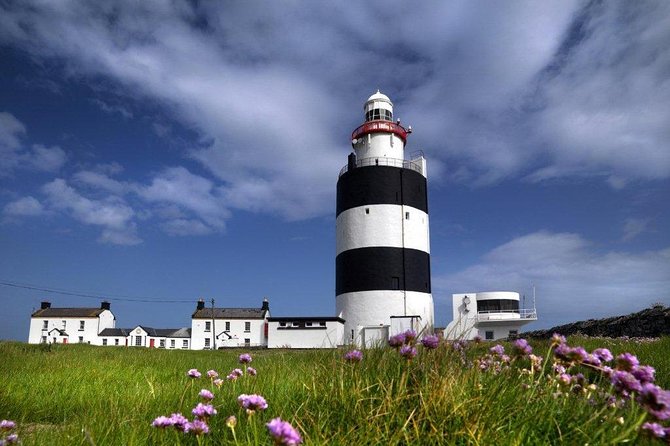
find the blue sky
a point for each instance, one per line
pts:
(166, 151)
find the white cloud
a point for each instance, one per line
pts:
(574, 279)
(25, 206)
(112, 214)
(527, 89)
(49, 159)
(100, 181)
(633, 227)
(183, 227)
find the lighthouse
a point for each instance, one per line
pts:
(382, 265)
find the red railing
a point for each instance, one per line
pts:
(380, 126)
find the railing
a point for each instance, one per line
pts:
(415, 165)
(524, 313)
(381, 126)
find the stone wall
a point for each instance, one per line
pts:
(649, 323)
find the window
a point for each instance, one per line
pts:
(138, 341)
(172, 345)
(207, 342)
(208, 326)
(295, 324)
(247, 342)
(116, 342)
(352, 334)
(45, 325)
(498, 305)
(81, 325)
(367, 210)
(282, 324)
(81, 339)
(308, 324)
(227, 325)
(406, 215)
(247, 327)
(162, 343)
(322, 324)
(513, 332)
(395, 283)
(488, 335)
(44, 339)
(104, 342)
(63, 322)
(184, 344)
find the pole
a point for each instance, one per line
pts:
(213, 327)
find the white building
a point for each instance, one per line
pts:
(305, 332)
(382, 231)
(69, 325)
(229, 327)
(489, 315)
(141, 336)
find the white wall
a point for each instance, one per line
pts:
(255, 335)
(383, 225)
(308, 337)
(92, 326)
(370, 308)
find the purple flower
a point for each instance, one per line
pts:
(578, 354)
(206, 395)
(11, 439)
(627, 362)
(198, 427)
(353, 356)
(557, 339)
(407, 351)
(521, 347)
(252, 402)
(237, 372)
(430, 342)
(178, 421)
(212, 374)
(655, 400)
(603, 354)
(625, 382)
(397, 340)
(162, 422)
(498, 350)
(644, 374)
(654, 429)
(204, 410)
(593, 360)
(564, 379)
(245, 358)
(251, 371)
(7, 425)
(410, 336)
(283, 433)
(458, 345)
(231, 421)
(232, 377)
(562, 351)
(193, 373)
(477, 339)
(218, 382)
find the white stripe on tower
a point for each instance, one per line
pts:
(383, 247)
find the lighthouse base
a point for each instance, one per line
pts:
(367, 314)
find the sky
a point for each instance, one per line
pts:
(159, 152)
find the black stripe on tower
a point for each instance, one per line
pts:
(381, 185)
(382, 268)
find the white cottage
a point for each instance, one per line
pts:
(141, 336)
(69, 325)
(490, 315)
(213, 328)
(305, 332)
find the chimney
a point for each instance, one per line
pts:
(104, 305)
(45, 305)
(201, 304)
(266, 305)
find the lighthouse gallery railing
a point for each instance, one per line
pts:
(382, 161)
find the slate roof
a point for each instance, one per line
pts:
(68, 312)
(229, 313)
(306, 319)
(153, 332)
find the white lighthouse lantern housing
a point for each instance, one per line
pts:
(382, 243)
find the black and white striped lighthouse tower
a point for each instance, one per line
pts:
(383, 248)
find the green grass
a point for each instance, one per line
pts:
(80, 394)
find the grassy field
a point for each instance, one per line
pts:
(79, 394)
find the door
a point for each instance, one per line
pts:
(64, 340)
(151, 343)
